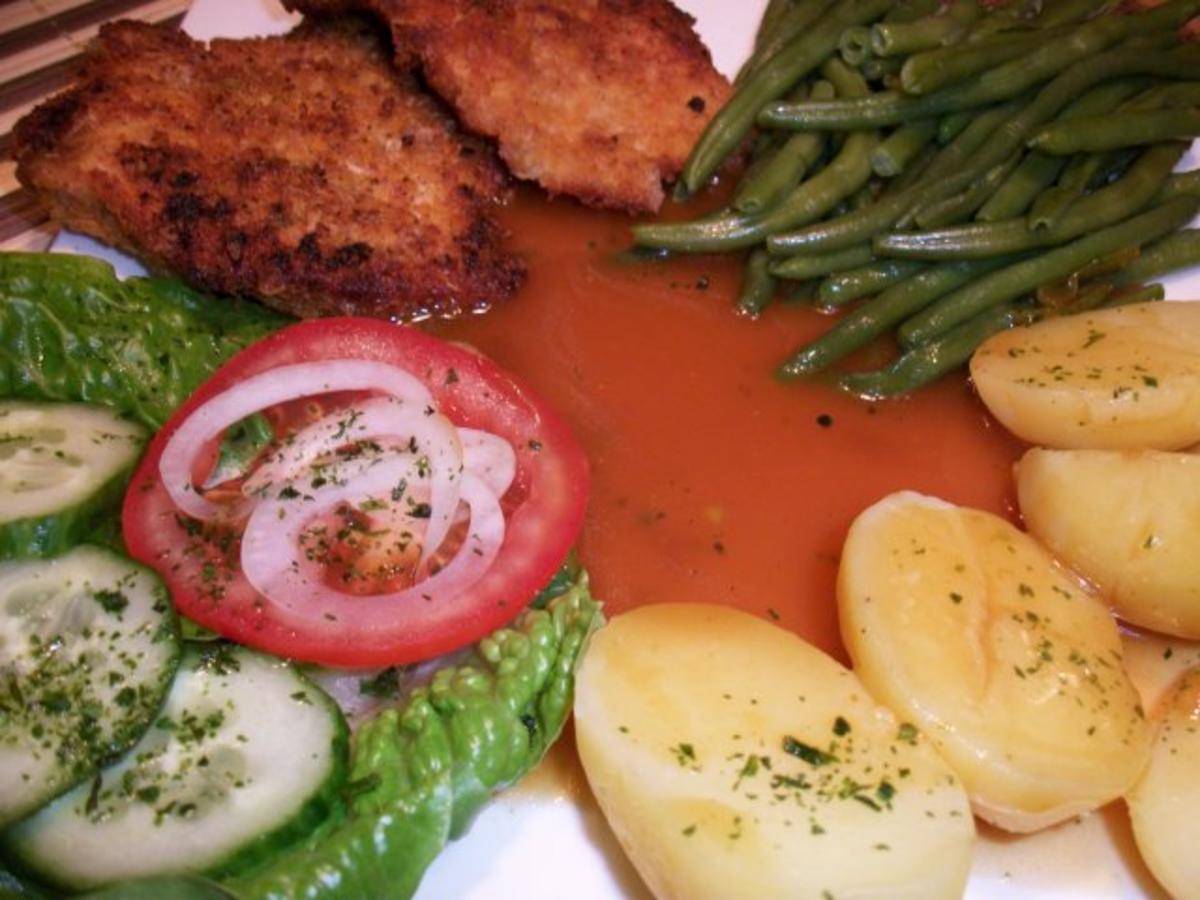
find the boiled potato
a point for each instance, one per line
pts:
(734, 760)
(1156, 663)
(1129, 521)
(1116, 378)
(1163, 803)
(967, 627)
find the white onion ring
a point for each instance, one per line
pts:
(263, 390)
(490, 458)
(380, 418)
(293, 584)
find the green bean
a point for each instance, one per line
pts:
(797, 292)
(863, 197)
(859, 226)
(765, 145)
(769, 82)
(1141, 185)
(1083, 170)
(1105, 96)
(900, 147)
(798, 17)
(1146, 293)
(924, 73)
(1003, 21)
(1033, 174)
(818, 265)
(902, 38)
(1175, 251)
(1009, 283)
(768, 182)
(986, 30)
(1183, 183)
(1004, 81)
(1065, 12)
(1089, 296)
(925, 364)
(1021, 14)
(1121, 129)
(855, 228)
(1174, 94)
(881, 69)
(758, 285)
(1037, 172)
(1080, 174)
(914, 171)
(725, 230)
(1105, 295)
(953, 124)
(963, 205)
(855, 45)
(1087, 170)
(881, 314)
(840, 288)
(911, 10)
(1051, 205)
(1091, 170)
(776, 10)
(809, 201)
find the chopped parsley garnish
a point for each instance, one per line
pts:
(810, 754)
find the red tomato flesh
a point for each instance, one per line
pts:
(544, 508)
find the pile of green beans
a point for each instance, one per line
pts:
(933, 168)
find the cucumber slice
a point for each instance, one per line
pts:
(246, 757)
(88, 648)
(62, 465)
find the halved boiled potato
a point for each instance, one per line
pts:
(1163, 803)
(734, 760)
(1110, 379)
(1129, 521)
(966, 626)
(1155, 663)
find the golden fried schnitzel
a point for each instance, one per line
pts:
(303, 170)
(598, 99)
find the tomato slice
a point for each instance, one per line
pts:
(544, 507)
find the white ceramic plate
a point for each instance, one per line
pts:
(547, 840)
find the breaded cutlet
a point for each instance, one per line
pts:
(597, 99)
(303, 170)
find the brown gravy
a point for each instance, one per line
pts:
(711, 481)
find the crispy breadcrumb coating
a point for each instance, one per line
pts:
(597, 99)
(303, 170)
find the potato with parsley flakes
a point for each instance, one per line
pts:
(1127, 377)
(1162, 805)
(1128, 521)
(733, 759)
(1009, 663)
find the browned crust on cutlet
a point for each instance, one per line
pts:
(303, 170)
(598, 99)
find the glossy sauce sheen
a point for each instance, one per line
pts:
(712, 481)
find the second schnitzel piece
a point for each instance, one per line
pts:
(598, 99)
(303, 170)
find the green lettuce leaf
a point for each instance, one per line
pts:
(420, 773)
(71, 330)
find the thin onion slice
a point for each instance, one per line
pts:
(404, 429)
(490, 458)
(277, 568)
(266, 389)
